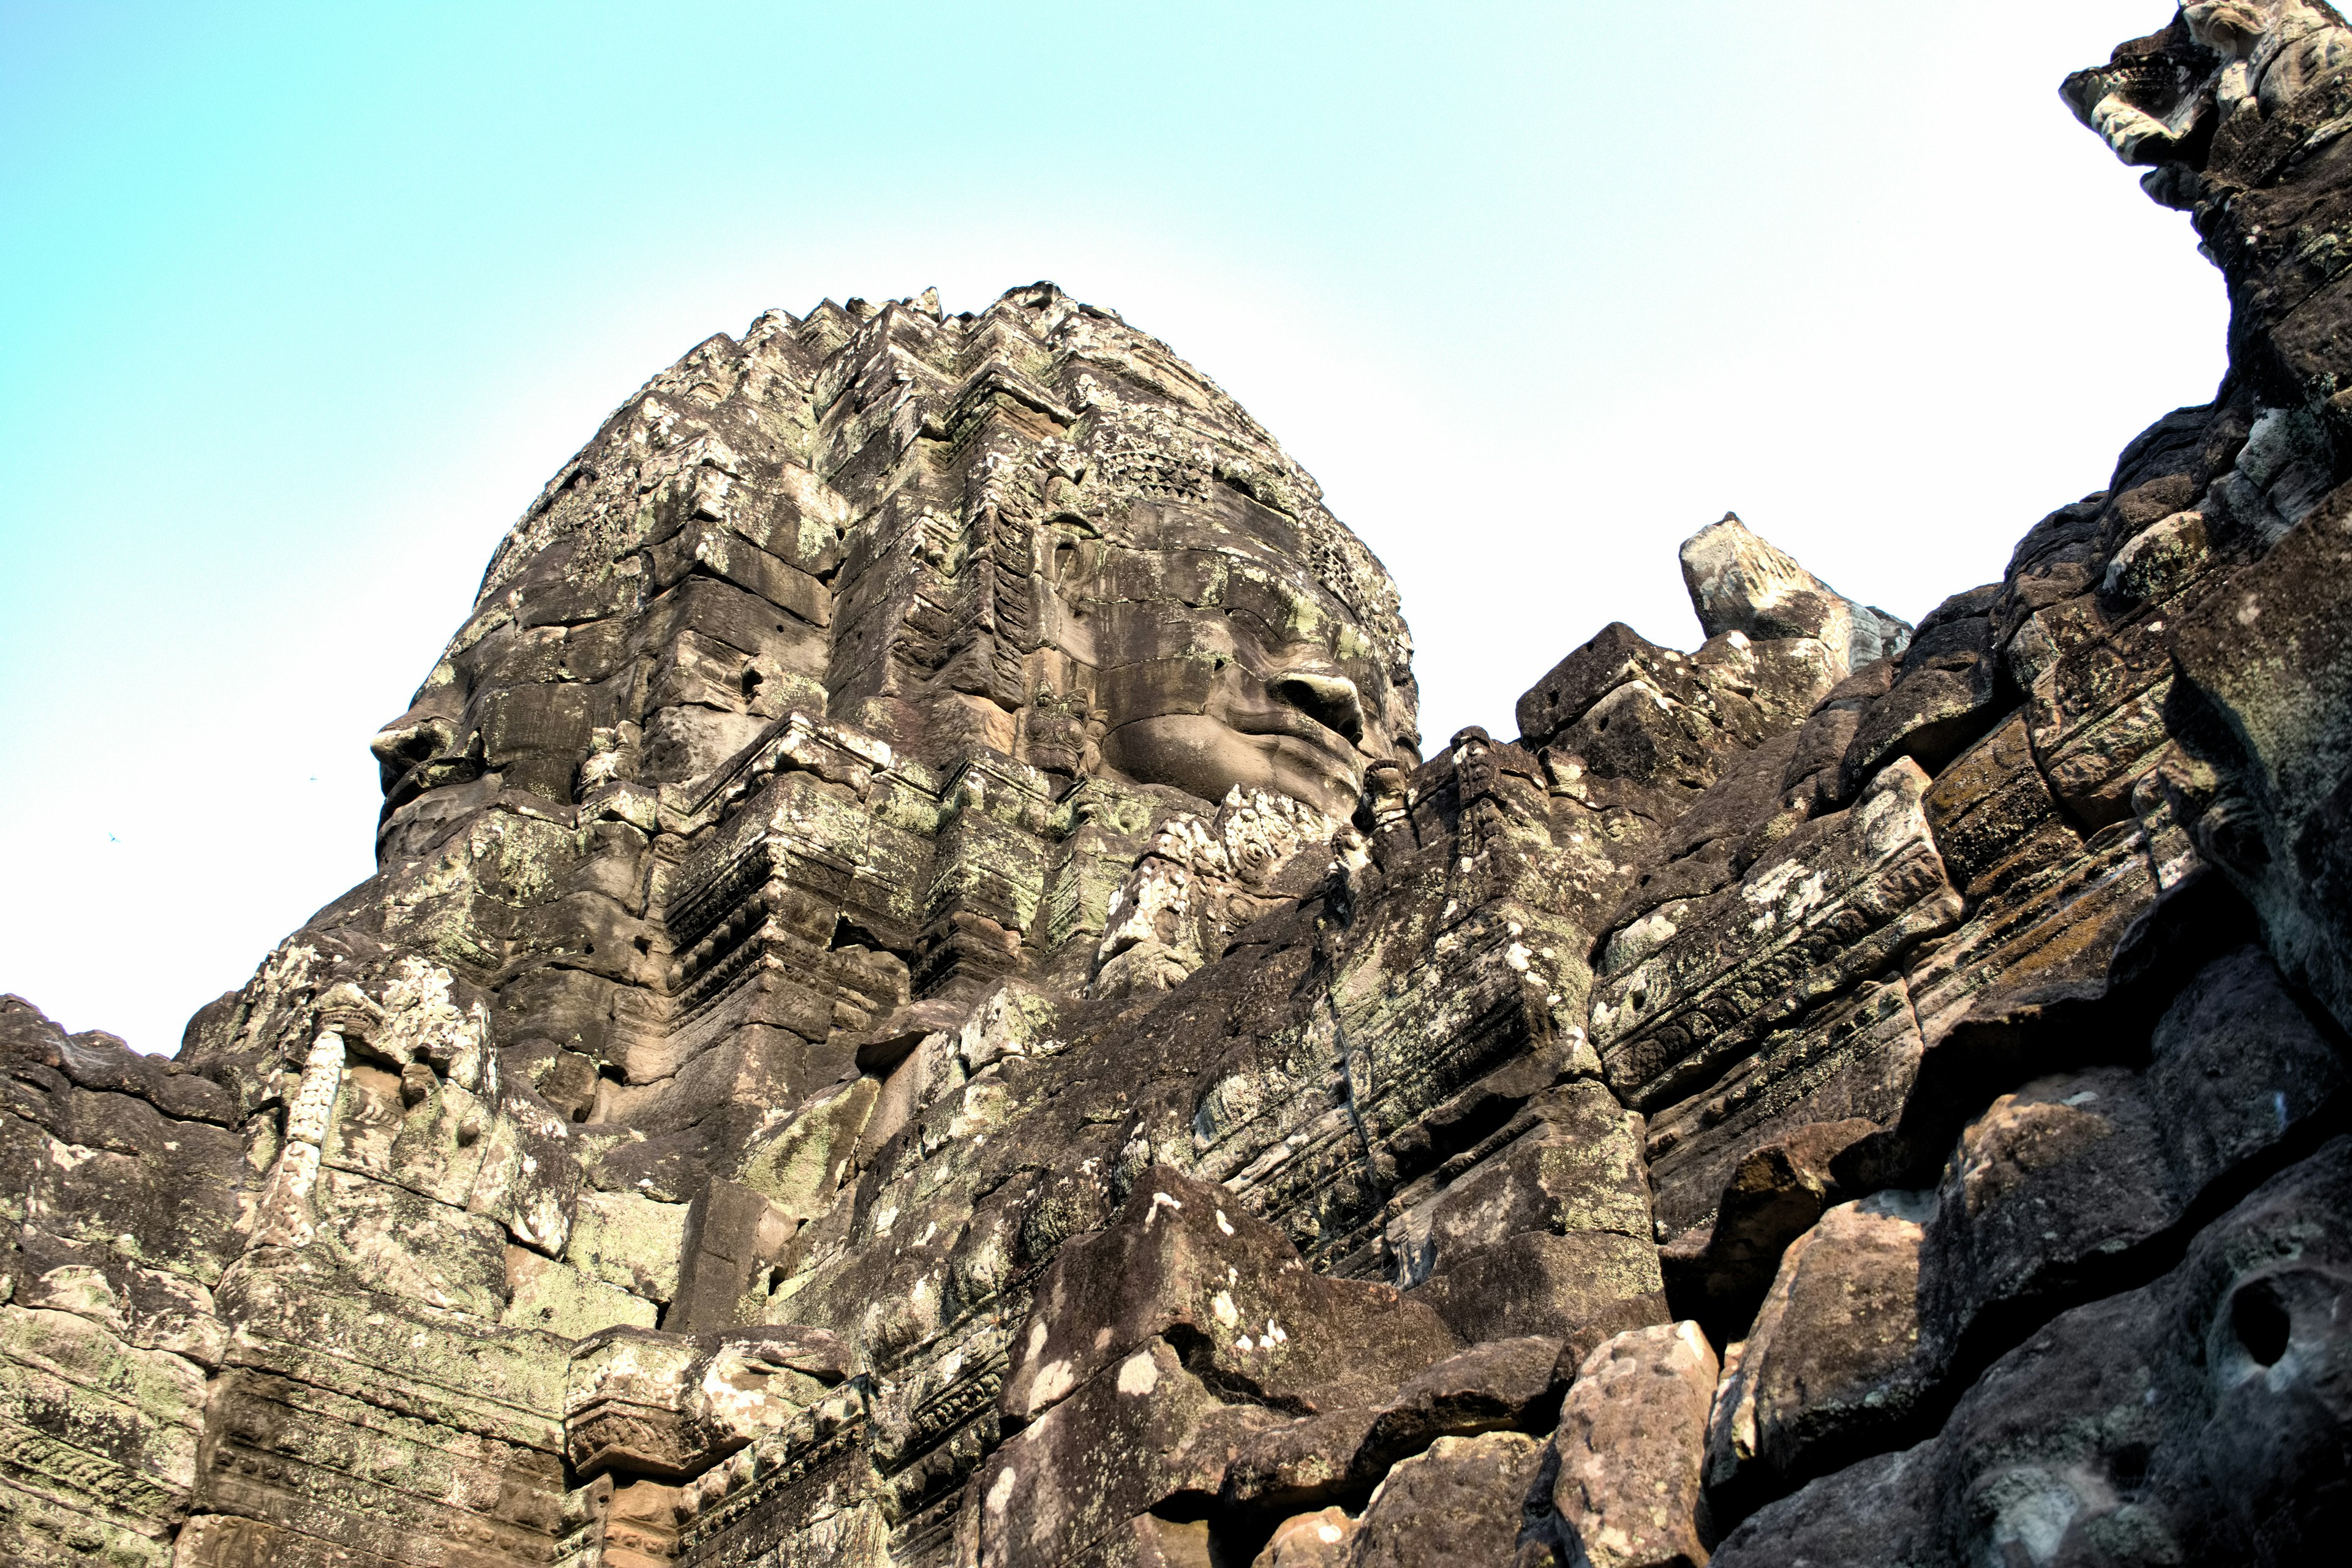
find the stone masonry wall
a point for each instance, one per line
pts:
(921, 1005)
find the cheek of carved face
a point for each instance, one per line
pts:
(1204, 699)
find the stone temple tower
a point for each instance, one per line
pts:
(910, 784)
(921, 1005)
(848, 667)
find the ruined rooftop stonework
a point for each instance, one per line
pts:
(921, 1005)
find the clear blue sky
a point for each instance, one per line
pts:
(302, 304)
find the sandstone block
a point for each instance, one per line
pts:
(1101, 1455)
(1458, 1502)
(2189, 1420)
(1579, 1289)
(1185, 1261)
(1317, 1540)
(1616, 655)
(1505, 1384)
(1739, 582)
(1943, 697)
(1993, 817)
(1577, 1169)
(1625, 1465)
(2054, 1189)
(668, 1405)
(1833, 1366)
(1851, 1060)
(2274, 652)
(1833, 903)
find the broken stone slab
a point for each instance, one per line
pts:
(1834, 902)
(1579, 1289)
(1994, 818)
(1991, 997)
(1709, 848)
(2061, 1188)
(1741, 581)
(1775, 1193)
(1185, 1262)
(1645, 733)
(2066, 1184)
(409, 1247)
(2096, 707)
(731, 1234)
(2272, 651)
(1945, 694)
(1317, 1540)
(1620, 1482)
(1105, 1452)
(1459, 1501)
(1576, 1168)
(904, 1030)
(2237, 1065)
(1878, 1514)
(1504, 1385)
(643, 1402)
(1811, 773)
(1853, 1060)
(1833, 1366)
(110, 1171)
(2195, 1419)
(1615, 655)
(2043, 1190)
(1654, 730)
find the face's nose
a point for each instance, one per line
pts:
(404, 750)
(1330, 699)
(407, 741)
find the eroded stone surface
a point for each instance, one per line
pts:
(2200, 1418)
(921, 1003)
(1624, 1466)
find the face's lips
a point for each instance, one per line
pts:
(1306, 760)
(1290, 724)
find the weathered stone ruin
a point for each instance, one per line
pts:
(921, 1006)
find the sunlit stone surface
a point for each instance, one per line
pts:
(921, 1005)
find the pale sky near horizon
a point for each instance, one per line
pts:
(303, 305)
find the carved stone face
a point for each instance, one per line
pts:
(2159, 99)
(1097, 565)
(1221, 661)
(2151, 99)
